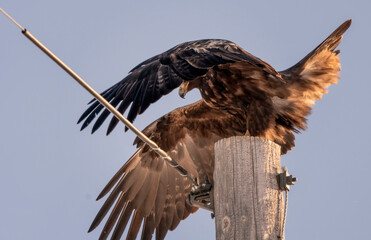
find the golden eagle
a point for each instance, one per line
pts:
(241, 95)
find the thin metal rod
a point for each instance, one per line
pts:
(12, 19)
(105, 103)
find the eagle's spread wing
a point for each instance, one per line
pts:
(328, 45)
(151, 190)
(159, 75)
(309, 79)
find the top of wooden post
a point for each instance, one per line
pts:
(247, 201)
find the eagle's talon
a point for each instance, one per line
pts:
(200, 196)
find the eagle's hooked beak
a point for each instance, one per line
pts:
(183, 88)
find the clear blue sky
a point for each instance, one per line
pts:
(51, 172)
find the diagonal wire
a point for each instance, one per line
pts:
(1, 10)
(104, 102)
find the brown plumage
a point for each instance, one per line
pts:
(241, 95)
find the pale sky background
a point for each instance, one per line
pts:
(51, 173)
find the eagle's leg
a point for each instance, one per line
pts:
(201, 196)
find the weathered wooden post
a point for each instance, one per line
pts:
(247, 201)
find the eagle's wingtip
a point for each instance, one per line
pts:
(348, 22)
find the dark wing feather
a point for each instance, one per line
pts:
(149, 191)
(159, 75)
(104, 115)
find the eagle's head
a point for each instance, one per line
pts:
(183, 89)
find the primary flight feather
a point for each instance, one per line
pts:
(241, 95)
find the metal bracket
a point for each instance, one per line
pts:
(201, 196)
(285, 180)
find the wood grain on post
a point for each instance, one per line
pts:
(247, 202)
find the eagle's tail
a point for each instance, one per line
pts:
(309, 78)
